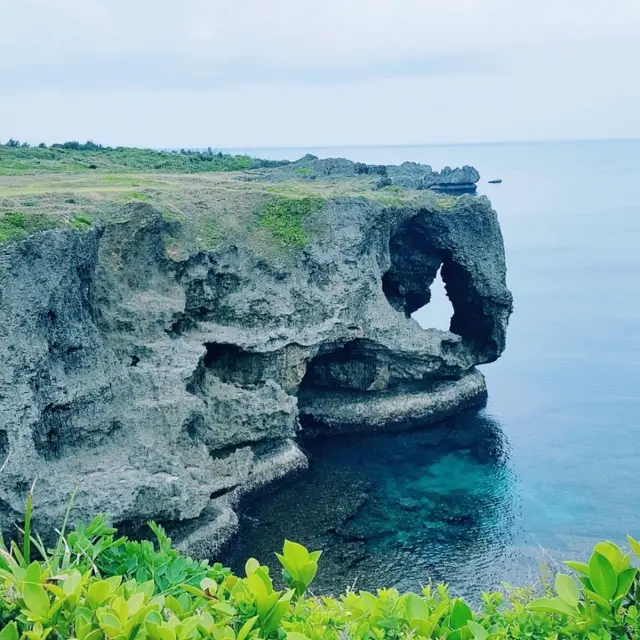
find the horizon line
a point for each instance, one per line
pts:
(425, 144)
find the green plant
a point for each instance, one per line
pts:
(135, 195)
(96, 586)
(284, 216)
(16, 159)
(299, 567)
(16, 225)
(82, 222)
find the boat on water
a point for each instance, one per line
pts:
(496, 181)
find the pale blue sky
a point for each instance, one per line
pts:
(173, 73)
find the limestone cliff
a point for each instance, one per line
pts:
(168, 386)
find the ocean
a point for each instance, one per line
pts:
(552, 463)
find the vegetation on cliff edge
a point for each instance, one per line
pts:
(284, 216)
(72, 157)
(94, 586)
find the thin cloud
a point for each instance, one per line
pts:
(314, 72)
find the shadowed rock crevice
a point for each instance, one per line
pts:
(230, 364)
(350, 366)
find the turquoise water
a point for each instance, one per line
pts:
(553, 461)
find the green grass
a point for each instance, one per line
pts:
(284, 217)
(25, 161)
(15, 225)
(135, 195)
(82, 222)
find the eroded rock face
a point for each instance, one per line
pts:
(167, 389)
(409, 175)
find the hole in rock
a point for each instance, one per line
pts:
(437, 313)
(46, 436)
(348, 366)
(233, 365)
(4, 446)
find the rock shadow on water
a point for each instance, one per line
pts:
(395, 510)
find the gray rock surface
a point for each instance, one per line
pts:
(409, 175)
(168, 389)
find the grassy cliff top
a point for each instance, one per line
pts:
(216, 197)
(72, 157)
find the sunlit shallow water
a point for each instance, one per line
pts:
(553, 462)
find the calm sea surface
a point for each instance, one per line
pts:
(552, 464)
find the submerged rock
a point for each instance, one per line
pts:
(168, 388)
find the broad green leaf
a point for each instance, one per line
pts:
(308, 573)
(416, 607)
(479, 632)
(245, 629)
(552, 605)
(314, 556)
(225, 608)
(294, 635)
(257, 587)
(36, 599)
(114, 582)
(208, 584)
(251, 566)
(460, 614)
(10, 632)
(55, 590)
(286, 565)
(147, 589)
(110, 625)
(603, 603)
(33, 573)
(295, 553)
(194, 591)
(187, 627)
(173, 605)
(263, 574)
(166, 634)
(118, 607)
(135, 603)
(97, 593)
(635, 545)
(580, 567)
(72, 583)
(613, 553)
(96, 634)
(625, 580)
(602, 576)
(567, 589)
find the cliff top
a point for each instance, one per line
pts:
(213, 198)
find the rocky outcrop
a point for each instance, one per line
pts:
(408, 175)
(168, 389)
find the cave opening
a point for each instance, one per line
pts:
(343, 366)
(438, 312)
(232, 364)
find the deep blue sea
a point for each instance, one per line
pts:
(552, 464)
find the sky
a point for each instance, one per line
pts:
(281, 73)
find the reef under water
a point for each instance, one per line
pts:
(434, 504)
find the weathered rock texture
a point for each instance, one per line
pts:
(168, 389)
(410, 175)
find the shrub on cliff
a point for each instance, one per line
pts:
(94, 586)
(76, 157)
